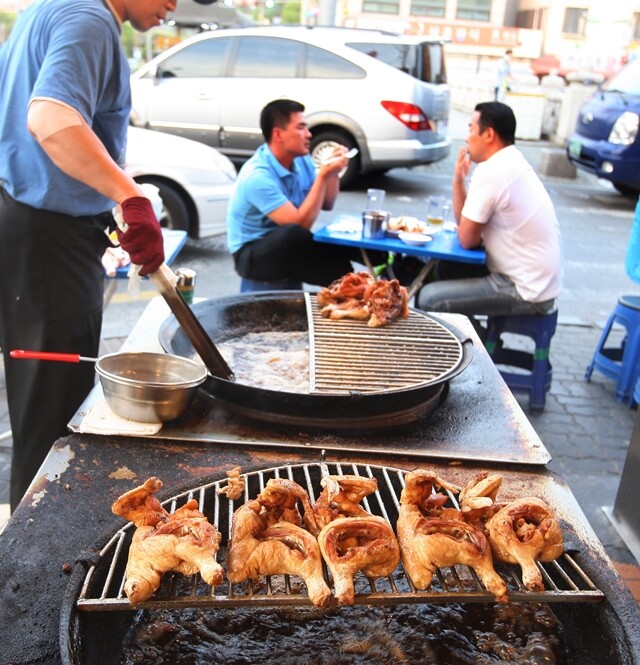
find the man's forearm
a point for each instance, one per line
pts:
(78, 152)
(459, 197)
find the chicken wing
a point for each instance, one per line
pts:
(523, 532)
(183, 542)
(350, 544)
(387, 301)
(267, 539)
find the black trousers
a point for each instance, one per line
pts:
(51, 293)
(290, 252)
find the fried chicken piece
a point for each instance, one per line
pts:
(432, 536)
(387, 301)
(351, 285)
(234, 488)
(523, 532)
(183, 542)
(350, 544)
(352, 308)
(340, 497)
(478, 499)
(267, 539)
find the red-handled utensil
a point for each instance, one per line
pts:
(48, 355)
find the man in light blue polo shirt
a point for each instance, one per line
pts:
(277, 198)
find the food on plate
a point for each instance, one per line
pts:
(267, 538)
(183, 542)
(406, 223)
(350, 544)
(234, 488)
(359, 296)
(523, 532)
(432, 536)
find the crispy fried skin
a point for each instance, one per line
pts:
(359, 296)
(432, 536)
(350, 544)
(267, 539)
(523, 532)
(183, 542)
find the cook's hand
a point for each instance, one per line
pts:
(142, 239)
(463, 165)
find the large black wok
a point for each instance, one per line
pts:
(232, 316)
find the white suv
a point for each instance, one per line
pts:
(382, 93)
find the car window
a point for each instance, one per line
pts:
(322, 64)
(423, 61)
(627, 80)
(263, 57)
(200, 60)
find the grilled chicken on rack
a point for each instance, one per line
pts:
(340, 497)
(387, 301)
(350, 538)
(351, 285)
(523, 532)
(267, 538)
(432, 536)
(350, 544)
(183, 542)
(359, 296)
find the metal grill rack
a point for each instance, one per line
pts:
(406, 353)
(103, 585)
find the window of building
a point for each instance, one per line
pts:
(532, 19)
(381, 6)
(474, 10)
(636, 28)
(575, 20)
(428, 8)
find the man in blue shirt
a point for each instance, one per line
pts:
(64, 112)
(277, 198)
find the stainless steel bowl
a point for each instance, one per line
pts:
(149, 387)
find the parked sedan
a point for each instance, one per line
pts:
(194, 180)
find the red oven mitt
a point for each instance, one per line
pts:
(143, 238)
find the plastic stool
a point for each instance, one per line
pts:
(252, 285)
(537, 380)
(636, 393)
(620, 363)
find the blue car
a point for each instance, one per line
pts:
(605, 141)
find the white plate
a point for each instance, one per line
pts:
(414, 238)
(432, 230)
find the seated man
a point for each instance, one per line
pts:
(277, 198)
(508, 209)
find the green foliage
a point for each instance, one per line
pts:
(7, 19)
(291, 12)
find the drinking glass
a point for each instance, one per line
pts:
(375, 199)
(434, 212)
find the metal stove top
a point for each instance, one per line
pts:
(479, 419)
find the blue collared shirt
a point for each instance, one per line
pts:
(262, 186)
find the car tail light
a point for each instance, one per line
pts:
(409, 114)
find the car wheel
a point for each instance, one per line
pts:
(323, 145)
(175, 213)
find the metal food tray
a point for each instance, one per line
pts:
(103, 585)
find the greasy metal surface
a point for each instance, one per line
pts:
(68, 509)
(103, 586)
(479, 420)
(348, 356)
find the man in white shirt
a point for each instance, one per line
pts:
(506, 208)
